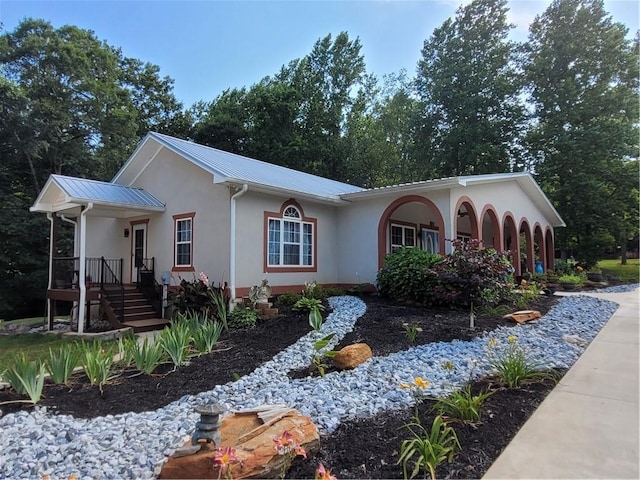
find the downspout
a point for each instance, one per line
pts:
(232, 250)
(81, 276)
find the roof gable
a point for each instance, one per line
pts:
(231, 168)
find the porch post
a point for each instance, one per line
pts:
(82, 267)
(52, 242)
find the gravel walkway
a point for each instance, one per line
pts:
(135, 445)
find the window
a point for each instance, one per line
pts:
(290, 239)
(183, 242)
(402, 236)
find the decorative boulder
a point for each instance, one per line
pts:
(251, 434)
(523, 316)
(352, 355)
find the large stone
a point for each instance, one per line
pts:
(523, 316)
(251, 434)
(352, 355)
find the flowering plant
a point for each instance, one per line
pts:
(224, 459)
(289, 448)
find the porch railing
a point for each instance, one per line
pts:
(98, 271)
(147, 283)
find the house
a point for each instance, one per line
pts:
(177, 208)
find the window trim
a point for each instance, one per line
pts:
(405, 226)
(430, 228)
(176, 219)
(303, 220)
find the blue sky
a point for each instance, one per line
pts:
(208, 46)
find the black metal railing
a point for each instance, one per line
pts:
(147, 283)
(111, 276)
(98, 271)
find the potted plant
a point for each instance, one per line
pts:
(595, 275)
(570, 282)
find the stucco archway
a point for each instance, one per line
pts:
(549, 249)
(539, 246)
(526, 249)
(409, 212)
(466, 220)
(491, 235)
(510, 240)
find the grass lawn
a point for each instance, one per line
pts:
(33, 345)
(629, 273)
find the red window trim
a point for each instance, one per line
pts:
(265, 236)
(183, 268)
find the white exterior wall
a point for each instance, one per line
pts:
(184, 188)
(358, 227)
(250, 242)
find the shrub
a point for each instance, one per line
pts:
(206, 335)
(572, 279)
(333, 291)
(407, 274)
(288, 299)
(472, 275)
(201, 297)
(243, 317)
(314, 290)
(512, 364)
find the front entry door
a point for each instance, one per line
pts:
(138, 250)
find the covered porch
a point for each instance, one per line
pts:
(87, 280)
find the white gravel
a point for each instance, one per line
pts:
(134, 445)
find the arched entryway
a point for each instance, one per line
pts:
(466, 220)
(491, 237)
(526, 250)
(412, 221)
(510, 240)
(539, 246)
(549, 249)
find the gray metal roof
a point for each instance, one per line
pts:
(104, 192)
(231, 167)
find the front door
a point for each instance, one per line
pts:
(138, 250)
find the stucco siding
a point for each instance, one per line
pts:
(250, 242)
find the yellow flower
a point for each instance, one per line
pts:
(421, 383)
(512, 339)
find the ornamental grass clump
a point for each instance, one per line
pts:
(146, 356)
(97, 362)
(61, 363)
(206, 335)
(427, 448)
(175, 341)
(462, 405)
(26, 377)
(513, 365)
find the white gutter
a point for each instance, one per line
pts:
(232, 252)
(82, 272)
(50, 284)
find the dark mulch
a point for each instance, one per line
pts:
(361, 448)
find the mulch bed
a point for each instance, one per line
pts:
(360, 448)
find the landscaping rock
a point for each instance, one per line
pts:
(253, 441)
(352, 355)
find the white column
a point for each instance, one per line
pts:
(82, 270)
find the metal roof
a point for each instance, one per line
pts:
(230, 167)
(62, 193)
(104, 192)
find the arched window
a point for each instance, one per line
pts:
(290, 240)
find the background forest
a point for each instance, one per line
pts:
(563, 105)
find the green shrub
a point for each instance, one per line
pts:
(333, 291)
(288, 299)
(243, 317)
(572, 279)
(175, 341)
(314, 290)
(407, 274)
(206, 336)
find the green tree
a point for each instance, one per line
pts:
(469, 84)
(583, 79)
(70, 104)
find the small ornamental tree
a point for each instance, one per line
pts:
(472, 275)
(407, 274)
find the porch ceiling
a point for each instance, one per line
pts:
(68, 195)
